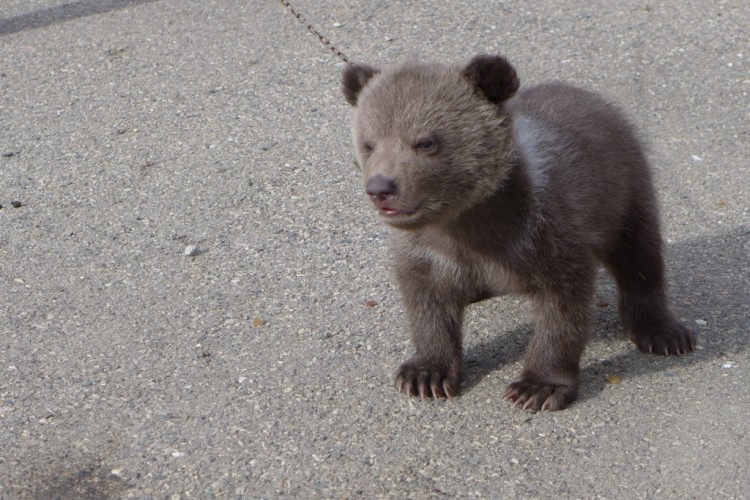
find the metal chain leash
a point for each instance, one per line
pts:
(325, 41)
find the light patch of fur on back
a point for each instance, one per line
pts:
(540, 149)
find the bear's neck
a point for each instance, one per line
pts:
(502, 219)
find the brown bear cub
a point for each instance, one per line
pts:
(493, 191)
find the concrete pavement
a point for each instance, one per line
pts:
(261, 365)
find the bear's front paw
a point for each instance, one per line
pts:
(426, 381)
(532, 395)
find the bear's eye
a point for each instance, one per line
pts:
(367, 147)
(426, 145)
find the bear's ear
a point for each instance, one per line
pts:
(354, 79)
(493, 77)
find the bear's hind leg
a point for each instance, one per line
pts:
(635, 261)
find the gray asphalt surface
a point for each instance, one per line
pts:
(261, 365)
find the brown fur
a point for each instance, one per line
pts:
(491, 191)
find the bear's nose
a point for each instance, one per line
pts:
(380, 188)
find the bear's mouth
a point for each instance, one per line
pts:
(394, 212)
(399, 217)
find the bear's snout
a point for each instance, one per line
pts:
(380, 189)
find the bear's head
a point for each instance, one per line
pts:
(432, 140)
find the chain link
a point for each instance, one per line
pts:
(325, 41)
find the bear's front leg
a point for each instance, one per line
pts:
(549, 380)
(434, 307)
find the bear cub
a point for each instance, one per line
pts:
(492, 191)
